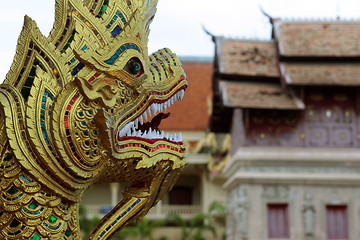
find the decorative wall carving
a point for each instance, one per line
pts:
(237, 214)
(329, 120)
(275, 192)
(300, 169)
(308, 214)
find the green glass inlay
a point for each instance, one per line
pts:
(32, 72)
(33, 205)
(67, 233)
(8, 157)
(53, 219)
(37, 63)
(35, 237)
(103, 8)
(12, 190)
(25, 91)
(69, 41)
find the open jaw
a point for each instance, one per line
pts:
(144, 127)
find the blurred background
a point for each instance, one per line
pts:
(270, 119)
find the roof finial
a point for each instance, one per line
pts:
(337, 10)
(271, 19)
(213, 37)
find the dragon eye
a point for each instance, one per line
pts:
(134, 67)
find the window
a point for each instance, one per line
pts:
(278, 223)
(181, 196)
(337, 222)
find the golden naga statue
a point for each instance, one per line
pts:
(83, 106)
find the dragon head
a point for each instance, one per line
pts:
(90, 102)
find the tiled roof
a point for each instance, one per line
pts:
(318, 39)
(258, 95)
(192, 113)
(248, 58)
(321, 73)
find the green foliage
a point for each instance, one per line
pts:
(195, 228)
(141, 231)
(218, 213)
(86, 225)
(192, 229)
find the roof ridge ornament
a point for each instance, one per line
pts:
(262, 10)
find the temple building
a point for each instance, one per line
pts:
(292, 106)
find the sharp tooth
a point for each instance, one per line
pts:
(177, 138)
(182, 94)
(139, 133)
(161, 107)
(181, 137)
(136, 123)
(149, 112)
(141, 120)
(167, 136)
(157, 134)
(126, 129)
(150, 133)
(178, 96)
(172, 100)
(153, 108)
(145, 116)
(165, 106)
(162, 135)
